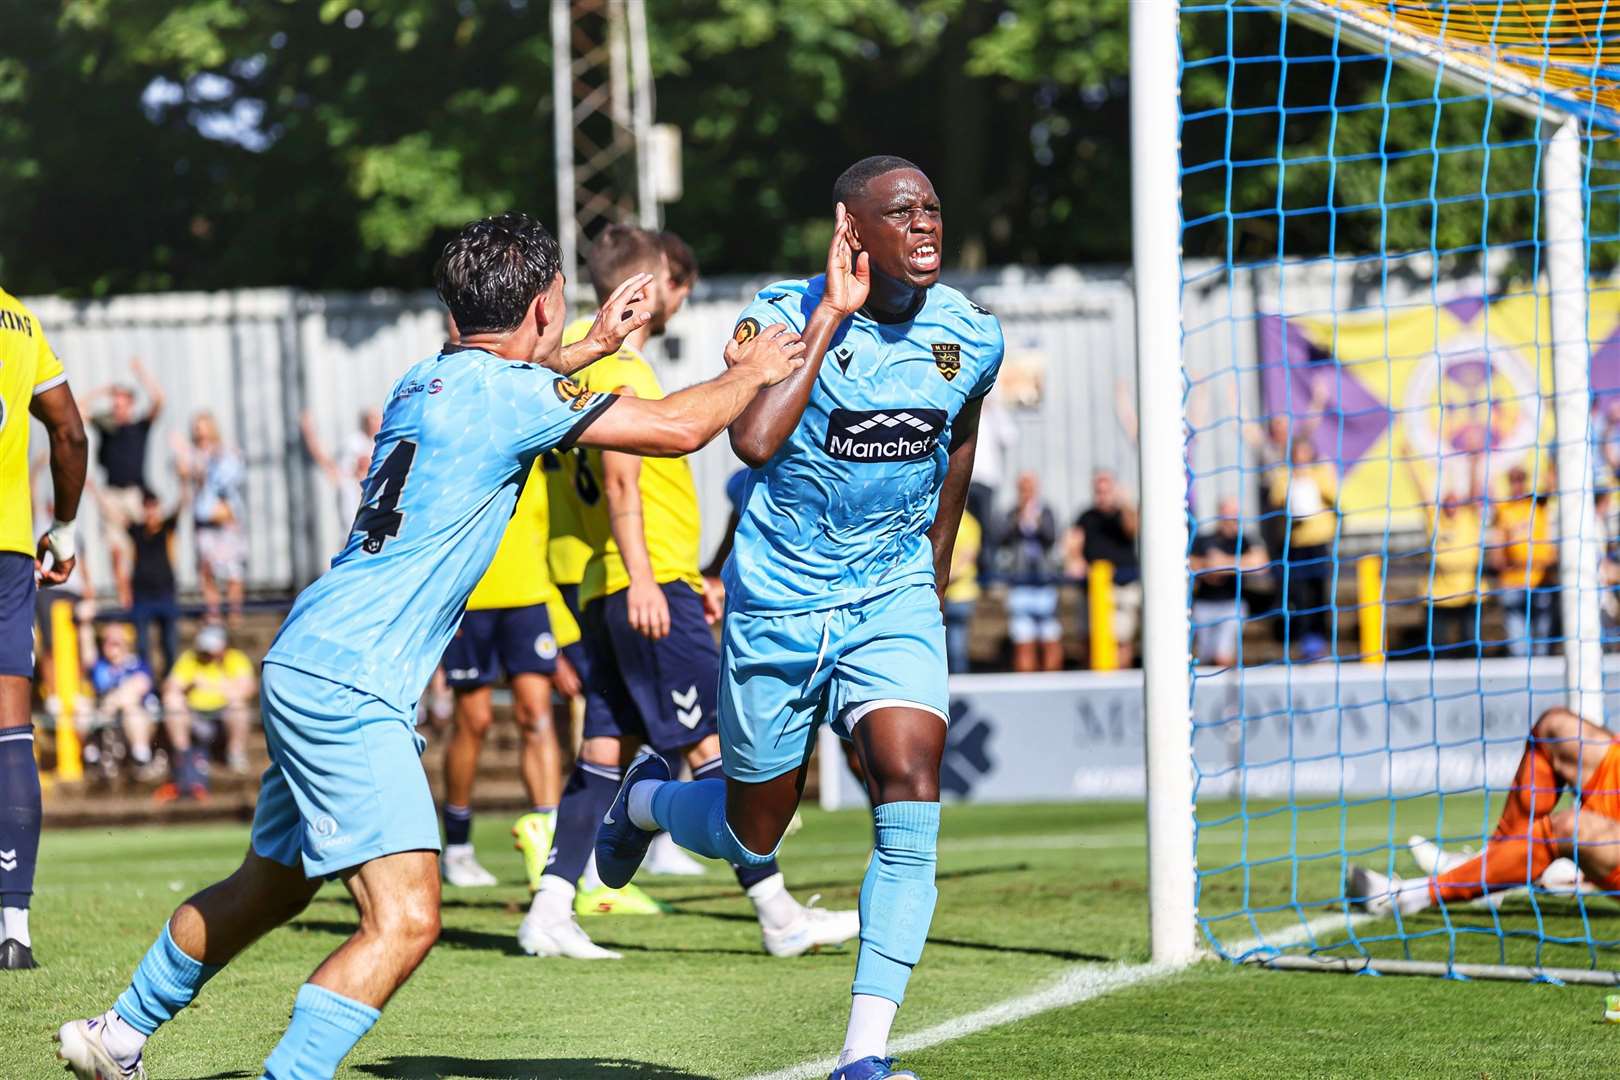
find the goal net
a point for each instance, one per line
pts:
(1400, 362)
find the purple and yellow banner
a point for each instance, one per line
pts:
(1410, 398)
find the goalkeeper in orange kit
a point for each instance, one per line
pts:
(1535, 841)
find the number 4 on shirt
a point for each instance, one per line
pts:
(379, 517)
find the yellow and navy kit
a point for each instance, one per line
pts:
(27, 367)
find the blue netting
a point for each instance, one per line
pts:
(1371, 447)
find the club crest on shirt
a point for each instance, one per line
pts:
(948, 358)
(570, 393)
(746, 331)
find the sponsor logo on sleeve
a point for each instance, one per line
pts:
(746, 331)
(948, 359)
(884, 434)
(570, 393)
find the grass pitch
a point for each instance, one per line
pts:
(1029, 896)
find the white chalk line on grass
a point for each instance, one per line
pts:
(1072, 987)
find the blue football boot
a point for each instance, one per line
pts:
(872, 1068)
(620, 843)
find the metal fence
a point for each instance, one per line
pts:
(260, 358)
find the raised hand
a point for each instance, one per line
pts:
(775, 351)
(849, 272)
(626, 310)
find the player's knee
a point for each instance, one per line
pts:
(472, 724)
(601, 750)
(410, 921)
(1556, 723)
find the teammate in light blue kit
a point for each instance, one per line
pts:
(345, 795)
(861, 465)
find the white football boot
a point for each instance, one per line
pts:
(667, 857)
(560, 937)
(79, 1044)
(461, 868)
(813, 928)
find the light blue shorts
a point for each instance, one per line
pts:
(345, 783)
(783, 675)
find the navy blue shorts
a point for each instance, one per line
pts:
(519, 638)
(576, 652)
(16, 614)
(665, 693)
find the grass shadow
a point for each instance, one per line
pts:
(453, 937)
(430, 1067)
(803, 887)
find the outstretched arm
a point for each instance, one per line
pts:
(70, 455)
(953, 493)
(765, 425)
(685, 421)
(153, 388)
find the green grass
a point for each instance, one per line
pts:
(1027, 894)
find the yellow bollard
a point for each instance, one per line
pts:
(1370, 607)
(1100, 596)
(65, 663)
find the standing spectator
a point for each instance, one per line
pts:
(962, 594)
(152, 538)
(125, 694)
(216, 477)
(1524, 553)
(121, 453)
(1219, 560)
(1107, 533)
(1308, 493)
(212, 685)
(1456, 560)
(348, 471)
(1027, 544)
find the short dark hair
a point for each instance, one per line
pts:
(852, 184)
(619, 251)
(683, 265)
(494, 268)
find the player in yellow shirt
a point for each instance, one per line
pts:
(31, 382)
(507, 627)
(652, 661)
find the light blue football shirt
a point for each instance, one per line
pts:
(842, 510)
(459, 434)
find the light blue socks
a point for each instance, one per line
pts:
(897, 897)
(694, 813)
(325, 1026)
(165, 982)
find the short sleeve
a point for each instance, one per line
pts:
(185, 668)
(990, 349)
(538, 409)
(48, 370)
(736, 489)
(789, 302)
(237, 664)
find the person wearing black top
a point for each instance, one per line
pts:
(1026, 541)
(152, 541)
(1218, 560)
(122, 435)
(1107, 533)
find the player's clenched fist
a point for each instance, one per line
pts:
(775, 351)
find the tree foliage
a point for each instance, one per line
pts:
(154, 144)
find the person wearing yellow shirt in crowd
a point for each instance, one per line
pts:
(32, 381)
(1456, 564)
(507, 628)
(652, 661)
(210, 684)
(1308, 490)
(962, 594)
(1524, 554)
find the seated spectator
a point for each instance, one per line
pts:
(1027, 542)
(215, 476)
(121, 453)
(125, 695)
(1220, 557)
(962, 594)
(1525, 554)
(1107, 533)
(211, 686)
(152, 584)
(1308, 490)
